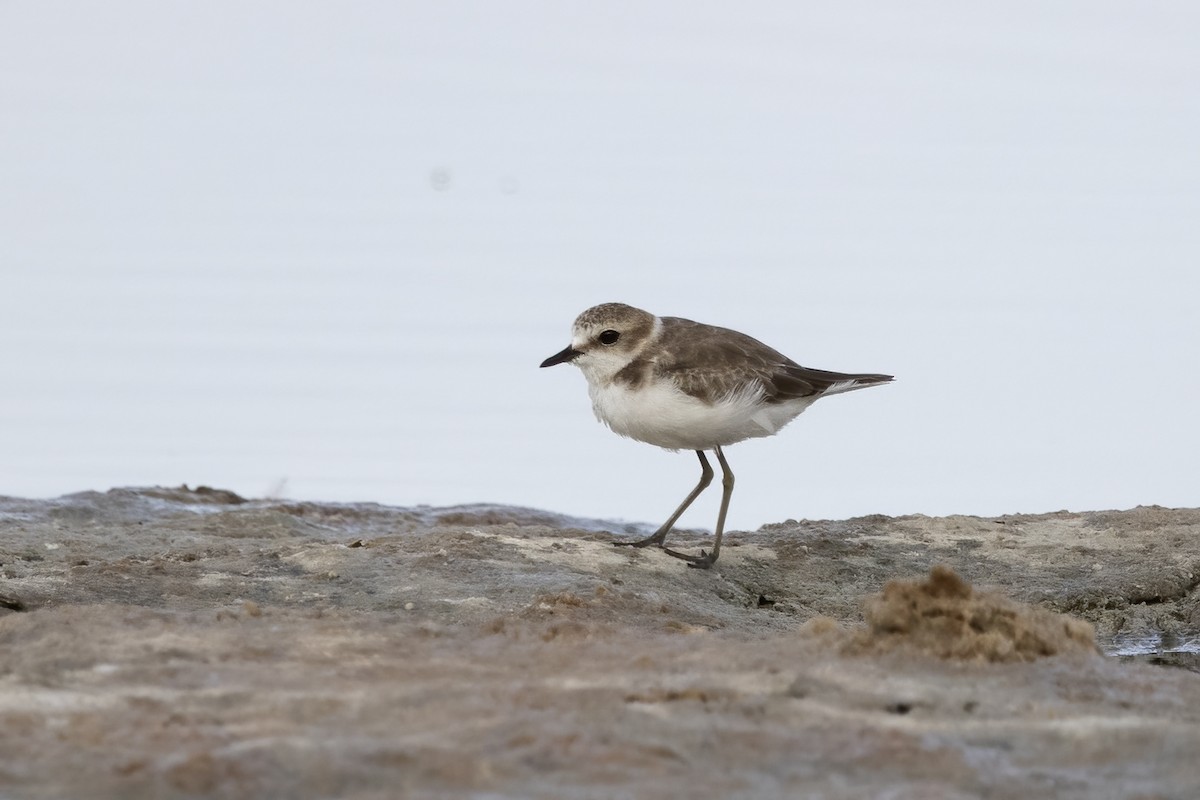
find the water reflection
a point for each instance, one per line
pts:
(1163, 649)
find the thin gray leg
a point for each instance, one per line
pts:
(660, 535)
(705, 560)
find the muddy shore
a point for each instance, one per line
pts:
(175, 643)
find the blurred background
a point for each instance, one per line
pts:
(317, 250)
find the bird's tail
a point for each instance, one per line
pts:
(839, 382)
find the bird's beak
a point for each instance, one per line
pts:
(567, 354)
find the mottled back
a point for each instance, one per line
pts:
(712, 363)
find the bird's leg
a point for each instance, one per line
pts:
(660, 535)
(706, 560)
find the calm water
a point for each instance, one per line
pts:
(1168, 651)
(331, 273)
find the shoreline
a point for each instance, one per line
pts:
(191, 641)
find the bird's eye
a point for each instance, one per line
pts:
(609, 337)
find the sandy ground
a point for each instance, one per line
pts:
(175, 643)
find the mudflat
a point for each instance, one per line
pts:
(175, 642)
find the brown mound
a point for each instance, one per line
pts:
(945, 617)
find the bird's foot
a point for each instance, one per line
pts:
(656, 539)
(702, 561)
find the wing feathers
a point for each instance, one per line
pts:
(713, 363)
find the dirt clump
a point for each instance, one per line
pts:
(168, 642)
(944, 617)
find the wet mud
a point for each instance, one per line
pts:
(175, 643)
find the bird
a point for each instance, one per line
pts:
(684, 385)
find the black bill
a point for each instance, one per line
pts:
(567, 354)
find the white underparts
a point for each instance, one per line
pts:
(658, 413)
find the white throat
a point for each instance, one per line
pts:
(600, 367)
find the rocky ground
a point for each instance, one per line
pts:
(170, 642)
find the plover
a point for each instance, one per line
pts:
(683, 385)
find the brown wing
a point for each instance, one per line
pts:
(823, 381)
(708, 362)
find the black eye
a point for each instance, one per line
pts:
(609, 337)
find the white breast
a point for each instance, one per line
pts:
(657, 413)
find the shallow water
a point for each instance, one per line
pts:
(1167, 650)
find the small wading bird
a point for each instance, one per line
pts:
(683, 385)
